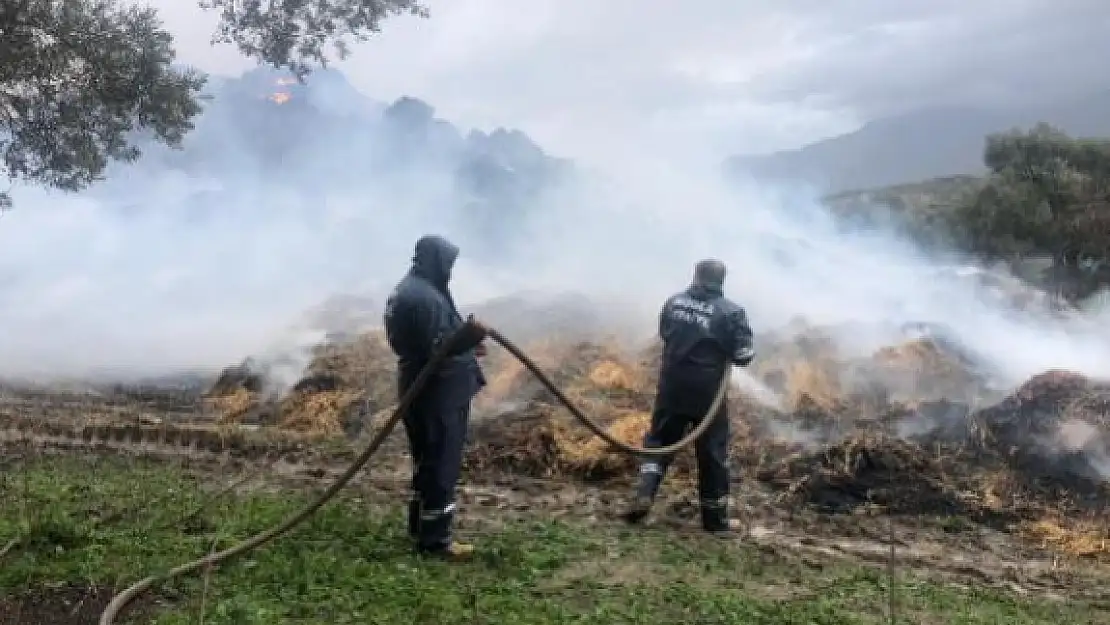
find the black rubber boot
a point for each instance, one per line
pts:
(715, 519)
(436, 540)
(645, 496)
(434, 533)
(414, 518)
(638, 510)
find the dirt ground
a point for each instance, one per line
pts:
(68, 605)
(64, 605)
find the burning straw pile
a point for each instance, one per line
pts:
(825, 401)
(343, 382)
(809, 368)
(523, 428)
(235, 396)
(899, 429)
(863, 470)
(1037, 460)
(1054, 429)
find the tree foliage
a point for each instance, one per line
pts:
(76, 78)
(79, 78)
(295, 34)
(1047, 194)
(1045, 198)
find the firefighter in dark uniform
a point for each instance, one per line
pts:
(703, 333)
(420, 314)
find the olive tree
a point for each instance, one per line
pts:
(1047, 194)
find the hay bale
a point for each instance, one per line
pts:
(588, 456)
(813, 375)
(813, 385)
(1084, 539)
(521, 442)
(612, 375)
(582, 370)
(237, 394)
(538, 436)
(343, 381)
(502, 385)
(233, 406)
(1037, 409)
(840, 444)
(343, 384)
(366, 362)
(920, 355)
(1053, 432)
(508, 382)
(319, 412)
(801, 363)
(925, 370)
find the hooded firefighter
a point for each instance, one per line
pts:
(420, 314)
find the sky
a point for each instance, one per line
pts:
(592, 79)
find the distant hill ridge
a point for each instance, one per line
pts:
(920, 145)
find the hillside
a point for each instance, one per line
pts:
(917, 146)
(916, 209)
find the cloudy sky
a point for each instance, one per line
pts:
(723, 76)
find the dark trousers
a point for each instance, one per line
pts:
(677, 410)
(436, 431)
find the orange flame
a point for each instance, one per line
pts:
(280, 97)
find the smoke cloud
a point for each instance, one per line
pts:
(164, 268)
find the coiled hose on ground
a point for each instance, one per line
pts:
(121, 600)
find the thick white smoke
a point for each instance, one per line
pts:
(152, 273)
(637, 238)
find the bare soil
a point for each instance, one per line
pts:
(65, 605)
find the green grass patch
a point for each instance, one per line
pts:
(111, 521)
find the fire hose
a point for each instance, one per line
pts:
(129, 594)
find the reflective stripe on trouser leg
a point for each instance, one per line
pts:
(651, 477)
(431, 515)
(718, 503)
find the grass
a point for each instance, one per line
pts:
(107, 522)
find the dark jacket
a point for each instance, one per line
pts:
(703, 332)
(420, 313)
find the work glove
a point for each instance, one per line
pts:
(471, 335)
(743, 356)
